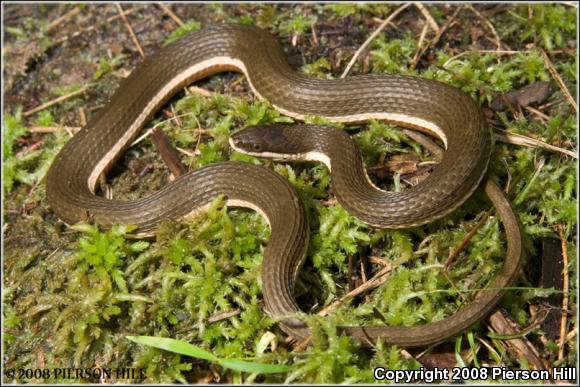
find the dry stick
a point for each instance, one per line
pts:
(488, 23)
(130, 29)
(199, 90)
(428, 17)
(82, 116)
(518, 139)
(440, 33)
(350, 275)
(420, 46)
(467, 238)
(551, 103)
(55, 101)
(500, 323)
(370, 38)
(91, 28)
(64, 17)
(224, 315)
(168, 153)
(559, 81)
(378, 261)
(150, 130)
(565, 289)
(572, 4)
(170, 13)
(314, 35)
(543, 117)
(52, 129)
(377, 280)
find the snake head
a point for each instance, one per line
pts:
(270, 141)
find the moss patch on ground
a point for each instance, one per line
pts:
(72, 295)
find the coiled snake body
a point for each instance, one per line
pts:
(416, 103)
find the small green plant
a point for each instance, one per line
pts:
(393, 55)
(12, 130)
(27, 166)
(319, 69)
(298, 24)
(187, 28)
(104, 252)
(345, 9)
(96, 289)
(187, 349)
(552, 25)
(107, 66)
(45, 118)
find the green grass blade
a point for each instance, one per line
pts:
(187, 349)
(175, 346)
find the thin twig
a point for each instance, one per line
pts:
(314, 36)
(93, 27)
(55, 101)
(199, 90)
(543, 117)
(522, 346)
(130, 29)
(442, 30)
(432, 23)
(150, 130)
(551, 103)
(377, 279)
(378, 261)
(170, 13)
(558, 79)
(518, 139)
(467, 238)
(224, 315)
(565, 289)
(488, 23)
(370, 38)
(52, 129)
(168, 153)
(82, 116)
(61, 19)
(420, 46)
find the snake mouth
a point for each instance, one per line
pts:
(237, 144)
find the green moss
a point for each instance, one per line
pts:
(550, 25)
(297, 24)
(12, 130)
(190, 26)
(25, 166)
(318, 69)
(393, 55)
(45, 118)
(107, 66)
(88, 291)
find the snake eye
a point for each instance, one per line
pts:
(256, 147)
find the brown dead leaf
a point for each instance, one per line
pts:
(404, 163)
(534, 93)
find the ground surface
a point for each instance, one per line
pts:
(71, 296)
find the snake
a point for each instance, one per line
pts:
(434, 108)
